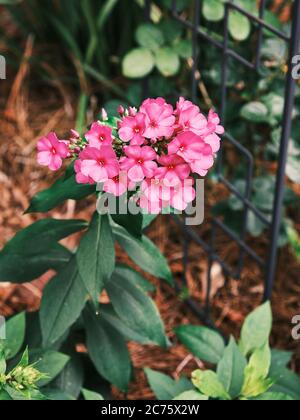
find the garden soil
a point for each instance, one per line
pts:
(25, 117)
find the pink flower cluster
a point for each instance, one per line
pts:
(156, 148)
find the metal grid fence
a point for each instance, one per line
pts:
(269, 264)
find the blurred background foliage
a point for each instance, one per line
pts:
(106, 49)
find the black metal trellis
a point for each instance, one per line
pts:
(269, 265)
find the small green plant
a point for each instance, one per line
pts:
(24, 374)
(161, 46)
(247, 370)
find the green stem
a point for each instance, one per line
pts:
(81, 112)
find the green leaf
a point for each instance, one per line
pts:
(273, 396)
(183, 48)
(24, 361)
(255, 112)
(132, 223)
(213, 10)
(256, 329)
(138, 63)
(239, 26)
(256, 373)
(208, 384)
(108, 350)
(50, 363)
(4, 396)
(144, 253)
(164, 387)
(27, 395)
(137, 278)
(96, 256)
(287, 383)
(70, 380)
(15, 334)
(202, 342)
(231, 369)
(91, 396)
(55, 394)
(191, 396)
(35, 250)
(63, 300)
(149, 36)
(2, 362)
(167, 61)
(63, 189)
(135, 308)
(148, 219)
(109, 314)
(280, 360)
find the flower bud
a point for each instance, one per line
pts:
(104, 115)
(121, 110)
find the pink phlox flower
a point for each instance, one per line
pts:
(99, 135)
(80, 178)
(159, 118)
(212, 131)
(117, 185)
(52, 151)
(154, 196)
(132, 129)
(182, 195)
(214, 123)
(173, 169)
(201, 166)
(100, 165)
(189, 117)
(189, 146)
(139, 162)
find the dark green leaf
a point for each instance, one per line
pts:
(50, 363)
(132, 223)
(191, 396)
(134, 307)
(202, 342)
(71, 379)
(166, 388)
(108, 350)
(63, 300)
(109, 314)
(35, 250)
(96, 256)
(256, 112)
(55, 394)
(273, 396)
(137, 278)
(287, 383)
(91, 396)
(63, 189)
(144, 253)
(15, 334)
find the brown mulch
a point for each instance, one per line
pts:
(35, 112)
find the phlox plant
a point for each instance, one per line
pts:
(245, 370)
(155, 148)
(153, 154)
